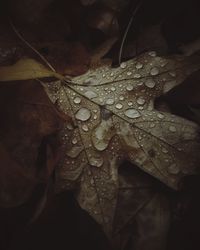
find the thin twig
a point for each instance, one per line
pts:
(30, 46)
(127, 29)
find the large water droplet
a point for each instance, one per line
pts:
(150, 83)
(132, 113)
(110, 101)
(123, 65)
(90, 94)
(139, 65)
(96, 161)
(119, 106)
(154, 71)
(129, 87)
(77, 100)
(83, 114)
(141, 100)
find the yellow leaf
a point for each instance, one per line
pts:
(26, 69)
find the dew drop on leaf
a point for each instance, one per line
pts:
(129, 87)
(141, 100)
(77, 100)
(154, 71)
(137, 76)
(123, 65)
(150, 83)
(132, 113)
(90, 94)
(119, 106)
(139, 65)
(110, 101)
(83, 114)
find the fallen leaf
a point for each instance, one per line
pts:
(26, 69)
(113, 119)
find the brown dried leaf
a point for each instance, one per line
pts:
(113, 119)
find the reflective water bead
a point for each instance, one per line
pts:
(150, 83)
(77, 100)
(83, 114)
(132, 113)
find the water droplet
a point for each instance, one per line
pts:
(110, 101)
(85, 128)
(154, 71)
(141, 100)
(152, 53)
(173, 169)
(83, 114)
(139, 65)
(90, 94)
(132, 113)
(137, 76)
(119, 106)
(172, 128)
(129, 87)
(130, 103)
(123, 65)
(111, 74)
(129, 73)
(150, 83)
(113, 88)
(161, 116)
(77, 100)
(121, 98)
(74, 140)
(96, 162)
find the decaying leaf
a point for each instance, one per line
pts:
(113, 119)
(26, 69)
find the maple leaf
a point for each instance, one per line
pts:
(113, 119)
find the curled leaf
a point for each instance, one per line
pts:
(26, 69)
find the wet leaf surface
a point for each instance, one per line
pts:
(113, 119)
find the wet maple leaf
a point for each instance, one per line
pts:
(113, 119)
